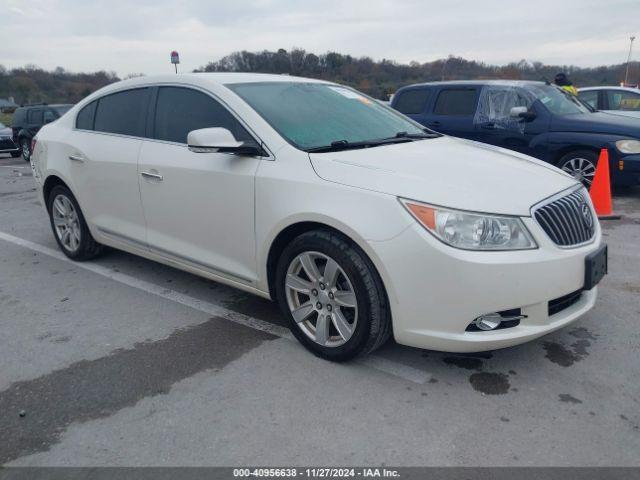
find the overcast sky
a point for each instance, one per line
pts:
(137, 36)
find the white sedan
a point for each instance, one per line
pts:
(356, 220)
(622, 101)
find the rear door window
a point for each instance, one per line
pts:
(457, 102)
(621, 100)
(123, 113)
(84, 120)
(180, 110)
(49, 116)
(412, 101)
(35, 116)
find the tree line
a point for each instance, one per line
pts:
(382, 78)
(31, 84)
(378, 78)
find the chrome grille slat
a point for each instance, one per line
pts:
(559, 224)
(571, 220)
(563, 219)
(576, 201)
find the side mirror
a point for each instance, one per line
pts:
(521, 112)
(218, 140)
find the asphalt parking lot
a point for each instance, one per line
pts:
(123, 361)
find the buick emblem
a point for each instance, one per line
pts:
(586, 215)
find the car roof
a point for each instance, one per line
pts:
(44, 105)
(506, 83)
(219, 78)
(610, 87)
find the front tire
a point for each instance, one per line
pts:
(332, 296)
(581, 165)
(25, 147)
(69, 226)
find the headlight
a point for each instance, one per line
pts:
(628, 146)
(472, 231)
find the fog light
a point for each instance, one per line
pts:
(490, 321)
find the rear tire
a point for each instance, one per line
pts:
(352, 302)
(69, 226)
(581, 165)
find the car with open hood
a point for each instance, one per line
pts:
(358, 221)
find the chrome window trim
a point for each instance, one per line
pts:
(215, 97)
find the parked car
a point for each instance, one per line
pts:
(534, 118)
(357, 221)
(29, 119)
(617, 100)
(6, 141)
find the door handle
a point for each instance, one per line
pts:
(77, 158)
(155, 176)
(488, 126)
(435, 124)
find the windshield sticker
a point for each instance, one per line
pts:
(345, 92)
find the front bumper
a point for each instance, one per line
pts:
(437, 291)
(7, 145)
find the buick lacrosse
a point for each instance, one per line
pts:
(355, 219)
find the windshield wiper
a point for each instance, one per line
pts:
(340, 145)
(400, 137)
(418, 135)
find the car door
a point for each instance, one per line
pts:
(495, 125)
(103, 162)
(453, 111)
(199, 207)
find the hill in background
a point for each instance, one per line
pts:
(31, 84)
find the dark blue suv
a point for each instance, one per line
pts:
(534, 118)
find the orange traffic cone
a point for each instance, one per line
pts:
(600, 190)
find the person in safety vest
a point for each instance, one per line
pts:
(563, 82)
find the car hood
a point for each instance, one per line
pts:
(624, 113)
(597, 122)
(448, 172)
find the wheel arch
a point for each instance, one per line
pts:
(573, 148)
(22, 134)
(50, 182)
(288, 233)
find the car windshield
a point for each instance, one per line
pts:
(312, 116)
(558, 101)
(2, 125)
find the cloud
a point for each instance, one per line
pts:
(128, 37)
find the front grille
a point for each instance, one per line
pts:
(558, 304)
(568, 220)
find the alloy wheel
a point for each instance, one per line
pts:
(66, 222)
(581, 169)
(321, 299)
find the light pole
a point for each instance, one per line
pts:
(626, 74)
